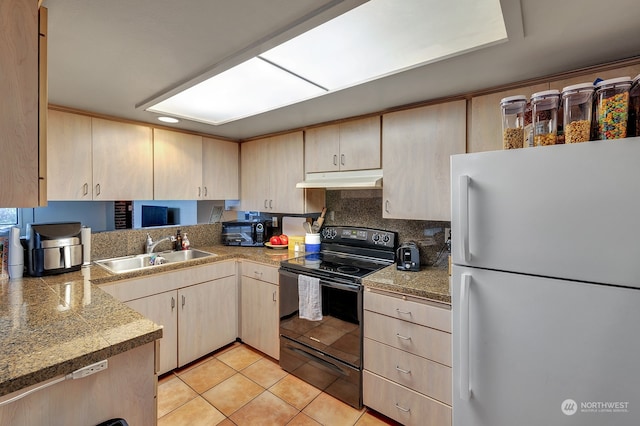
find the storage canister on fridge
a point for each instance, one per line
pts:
(577, 101)
(612, 98)
(545, 117)
(633, 125)
(512, 109)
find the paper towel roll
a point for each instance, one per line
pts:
(16, 254)
(85, 237)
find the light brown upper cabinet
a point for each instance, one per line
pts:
(220, 169)
(122, 161)
(96, 159)
(190, 167)
(416, 149)
(69, 171)
(485, 132)
(270, 169)
(177, 165)
(352, 145)
(20, 169)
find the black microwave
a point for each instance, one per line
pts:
(246, 233)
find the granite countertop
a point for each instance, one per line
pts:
(428, 283)
(55, 324)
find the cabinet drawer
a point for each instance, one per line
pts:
(419, 313)
(260, 271)
(417, 373)
(416, 339)
(402, 404)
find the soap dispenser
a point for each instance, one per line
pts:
(185, 242)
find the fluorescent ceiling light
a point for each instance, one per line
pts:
(376, 39)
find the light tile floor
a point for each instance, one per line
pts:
(241, 386)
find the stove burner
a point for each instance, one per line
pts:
(348, 269)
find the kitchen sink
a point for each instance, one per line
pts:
(119, 265)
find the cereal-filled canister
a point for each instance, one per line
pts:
(545, 117)
(512, 109)
(633, 125)
(612, 107)
(577, 101)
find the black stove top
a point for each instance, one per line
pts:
(347, 253)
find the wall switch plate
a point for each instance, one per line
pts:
(447, 234)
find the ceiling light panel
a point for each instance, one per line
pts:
(383, 37)
(250, 88)
(378, 38)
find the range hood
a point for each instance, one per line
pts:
(357, 179)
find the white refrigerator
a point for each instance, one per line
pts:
(546, 285)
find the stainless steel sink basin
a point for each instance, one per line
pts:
(137, 262)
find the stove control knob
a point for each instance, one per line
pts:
(376, 238)
(386, 238)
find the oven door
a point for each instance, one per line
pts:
(338, 334)
(325, 353)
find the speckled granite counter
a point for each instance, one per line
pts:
(429, 283)
(54, 325)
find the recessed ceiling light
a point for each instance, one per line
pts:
(168, 119)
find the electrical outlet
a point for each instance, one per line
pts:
(90, 369)
(447, 234)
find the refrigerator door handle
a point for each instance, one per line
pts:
(465, 388)
(463, 217)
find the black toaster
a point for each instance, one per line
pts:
(408, 257)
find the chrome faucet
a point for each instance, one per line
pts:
(151, 245)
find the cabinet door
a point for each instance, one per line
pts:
(177, 166)
(416, 146)
(255, 175)
(360, 144)
(220, 170)
(163, 310)
(122, 161)
(259, 309)
(69, 173)
(485, 133)
(322, 149)
(286, 169)
(19, 166)
(208, 318)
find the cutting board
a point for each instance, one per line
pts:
(293, 225)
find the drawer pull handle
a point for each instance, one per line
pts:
(403, 312)
(257, 273)
(403, 371)
(402, 337)
(314, 339)
(406, 410)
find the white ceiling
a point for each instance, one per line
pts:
(108, 56)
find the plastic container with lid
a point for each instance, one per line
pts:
(612, 98)
(512, 109)
(577, 102)
(544, 107)
(633, 125)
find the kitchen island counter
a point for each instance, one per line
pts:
(54, 325)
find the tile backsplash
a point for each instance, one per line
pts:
(346, 208)
(364, 208)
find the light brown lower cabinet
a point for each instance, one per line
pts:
(407, 358)
(126, 389)
(259, 307)
(197, 307)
